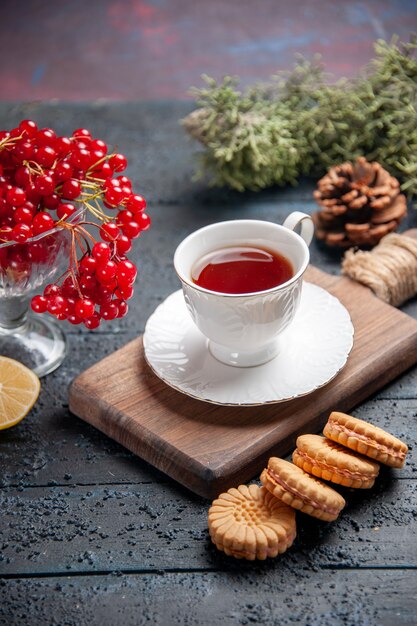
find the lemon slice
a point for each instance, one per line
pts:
(19, 390)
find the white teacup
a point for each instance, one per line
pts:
(243, 329)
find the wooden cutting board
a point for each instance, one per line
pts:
(209, 448)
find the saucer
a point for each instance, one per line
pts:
(314, 349)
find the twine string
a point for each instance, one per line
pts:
(390, 269)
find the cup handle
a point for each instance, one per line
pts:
(297, 218)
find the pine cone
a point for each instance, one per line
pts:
(361, 203)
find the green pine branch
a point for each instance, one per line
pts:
(300, 124)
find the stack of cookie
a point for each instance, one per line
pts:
(259, 522)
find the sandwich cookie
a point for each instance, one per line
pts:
(301, 491)
(329, 460)
(366, 439)
(249, 523)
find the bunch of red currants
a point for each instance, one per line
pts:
(49, 184)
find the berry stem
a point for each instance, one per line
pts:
(9, 141)
(34, 168)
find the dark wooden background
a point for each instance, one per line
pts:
(146, 49)
(89, 534)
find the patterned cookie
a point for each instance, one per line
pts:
(301, 491)
(249, 523)
(366, 439)
(328, 460)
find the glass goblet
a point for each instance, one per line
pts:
(34, 340)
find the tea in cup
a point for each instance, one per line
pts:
(242, 282)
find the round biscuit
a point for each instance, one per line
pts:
(331, 461)
(366, 439)
(250, 523)
(300, 490)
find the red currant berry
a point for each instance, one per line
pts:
(109, 232)
(111, 182)
(63, 145)
(16, 196)
(46, 156)
(56, 305)
(125, 291)
(71, 300)
(51, 202)
(103, 172)
(131, 229)
(98, 144)
(81, 159)
(81, 144)
(127, 193)
(82, 133)
(123, 244)
(38, 304)
(29, 128)
(25, 151)
(68, 287)
(136, 204)
(51, 290)
(109, 311)
(44, 185)
(21, 232)
(113, 196)
(103, 295)
(96, 155)
(124, 180)
(63, 313)
(88, 265)
(118, 162)
(112, 285)
(42, 222)
(84, 308)
(22, 176)
(126, 272)
(74, 319)
(15, 132)
(63, 171)
(101, 252)
(125, 216)
(122, 306)
(78, 174)
(38, 251)
(88, 284)
(143, 220)
(23, 215)
(32, 194)
(71, 189)
(92, 322)
(30, 206)
(65, 210)
(106, 272)
(45, 137)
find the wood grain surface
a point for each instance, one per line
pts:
(209, 448)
